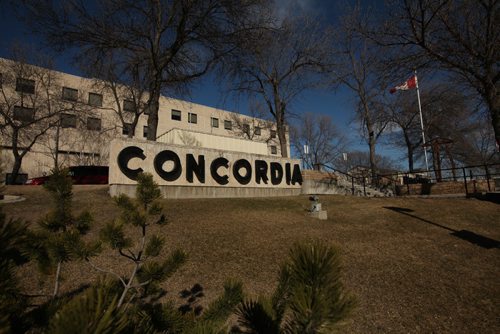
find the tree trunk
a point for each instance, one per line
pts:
(128, 286)
(373, 163)
(279, 108)
(16, 167)
(56, 284)
(153, 107)
(282, 137)
(18, 158)
(409, 150)
(493, 102)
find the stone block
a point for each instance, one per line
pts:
(321, 215)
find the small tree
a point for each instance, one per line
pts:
(326, 143)
(60, 230)
(309, 297)
(140, 213)
(14, 239)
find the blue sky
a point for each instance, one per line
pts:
(338, 104)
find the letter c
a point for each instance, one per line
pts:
(127, 154)
(214, 166)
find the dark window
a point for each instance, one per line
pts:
(25, 85)
(24, 114)
(215, 122)
(95, 100)
(176, 115)
(274, 150)
(257, 131)
(94, 123)
(273, 133)
(127, 129)
(68, 121)
(246, 129)
(128, 105)
(1, 79)
(192, 118)
(69, 94)
(145, 131)
(228, 125)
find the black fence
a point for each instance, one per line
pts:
(467, 180)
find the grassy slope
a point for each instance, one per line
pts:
(408, 274)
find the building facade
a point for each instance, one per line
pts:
(52, 118)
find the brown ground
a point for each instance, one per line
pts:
(406, 269)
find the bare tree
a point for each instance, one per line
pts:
(128, 99)
(357, 67)
(403, 114)
(447, 114)
(30, 105)
(461, 37)
(254, 127)
(172, 41)
(362, 159)
(325, 142)
(279, 66)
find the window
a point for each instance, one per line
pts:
(127, 129)
(24, 114)
(273, 133)
(128, 105)
(274, 150)
(69, 94)
(68, 121)
(228, 125)
(25, 86)
(95, 100)
(145, 131)
(256, 131)
(176, 115)
(215, 122)
(1, 79)
(192, 118)
(94, 123)
(246, 129)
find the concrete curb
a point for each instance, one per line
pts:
(11, 199)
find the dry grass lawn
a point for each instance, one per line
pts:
(407, 269)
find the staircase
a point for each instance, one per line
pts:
(318, 182)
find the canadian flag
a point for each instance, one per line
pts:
(408, 84)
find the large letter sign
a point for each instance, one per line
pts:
(197, 167)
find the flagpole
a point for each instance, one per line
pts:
(421, 123)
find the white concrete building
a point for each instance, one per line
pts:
(72, 120)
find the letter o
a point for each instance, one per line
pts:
(163, 157)
(242, 163)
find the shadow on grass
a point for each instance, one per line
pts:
(191, 299)
(469, 236)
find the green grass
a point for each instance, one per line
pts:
(407, 270)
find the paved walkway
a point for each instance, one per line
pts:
(11, 199)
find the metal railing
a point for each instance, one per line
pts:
(475, 179)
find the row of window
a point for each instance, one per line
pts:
(27, 86)
(127, 129)
(69, 121)
(214, 122)
(70, 94)
(26, 115)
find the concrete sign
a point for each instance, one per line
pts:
(192, 168)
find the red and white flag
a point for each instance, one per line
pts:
(408, 84)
